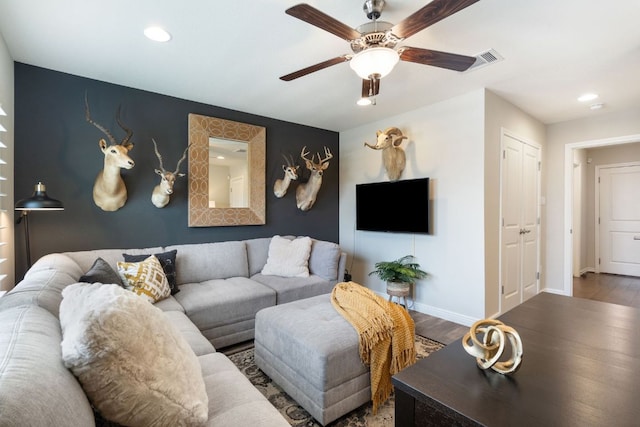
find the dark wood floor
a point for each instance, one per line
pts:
(623, 290)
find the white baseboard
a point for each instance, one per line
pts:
(437, 312)
(555, 291)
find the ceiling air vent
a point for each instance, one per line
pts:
(485, 58)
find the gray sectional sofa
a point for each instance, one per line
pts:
(221, 289)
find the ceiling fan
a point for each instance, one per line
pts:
(374, 43)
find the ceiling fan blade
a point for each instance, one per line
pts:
(433, 12)
(370, 87)
(313, 16)
(316, 67)
(450, 61)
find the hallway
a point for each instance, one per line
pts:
(623, 290)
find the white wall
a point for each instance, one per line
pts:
(601, 126)
(500, 116)
(446, 144)
(6, 187)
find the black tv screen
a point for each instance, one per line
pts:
(399, 206)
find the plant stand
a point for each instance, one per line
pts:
(400, 291)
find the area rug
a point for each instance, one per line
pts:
(297, 416)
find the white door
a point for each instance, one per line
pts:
(619, 233)
(520, 225)
(236, 192)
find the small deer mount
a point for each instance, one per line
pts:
(109, 190)
(306, 193)
(162, 192)
(393, 156)
(290, 169)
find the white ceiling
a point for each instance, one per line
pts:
(230, 54)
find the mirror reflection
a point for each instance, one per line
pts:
(228, 174)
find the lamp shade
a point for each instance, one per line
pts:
(374, 61)
(39, 201)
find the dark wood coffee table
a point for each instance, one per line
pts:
(581, 367)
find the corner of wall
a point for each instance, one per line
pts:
(7, 96)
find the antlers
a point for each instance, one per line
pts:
(104, 130)
(321, 161)
(184, 156)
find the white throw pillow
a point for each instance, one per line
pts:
(145, 278)
(288, 258)
(134, 366)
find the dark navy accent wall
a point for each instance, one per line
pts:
(54, 144)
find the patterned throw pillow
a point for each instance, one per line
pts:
(145, 278)
(168, 263)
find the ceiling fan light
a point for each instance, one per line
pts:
(375, 60)
(364, 101)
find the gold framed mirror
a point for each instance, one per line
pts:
(223, 192)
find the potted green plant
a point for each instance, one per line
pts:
(399, 274)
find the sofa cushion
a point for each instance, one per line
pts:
(219, 302)
(107, 336)
(233, 400)
(168, 263)
(294, 288)
(35, 387)
(101, 272)
(257, 252)
(43, 283)
(145, 278)
(198, 343)
(169, 304)
(207, 261)
(324, 259)
(288, 258)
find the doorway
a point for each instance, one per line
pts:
(568, 199)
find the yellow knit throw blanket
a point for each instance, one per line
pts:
(386, 330)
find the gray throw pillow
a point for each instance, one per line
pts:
(101, 272)
(168, 263)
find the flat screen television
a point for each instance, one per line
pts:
(397, 207)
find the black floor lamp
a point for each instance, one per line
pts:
(39, 201)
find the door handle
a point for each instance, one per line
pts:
(525, 231)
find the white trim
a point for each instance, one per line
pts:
(568, 203)
(451, 316)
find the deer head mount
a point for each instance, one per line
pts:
(109, 190)
(290, 169)
(306, 193)
(163, 191)
(393, 156)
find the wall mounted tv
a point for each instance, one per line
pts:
(398, 207)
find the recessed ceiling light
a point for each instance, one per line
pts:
(220, 157)
(157, 34)
(596, 106)
(364, 101)
(587, 97)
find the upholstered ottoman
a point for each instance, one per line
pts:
(311, 351)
